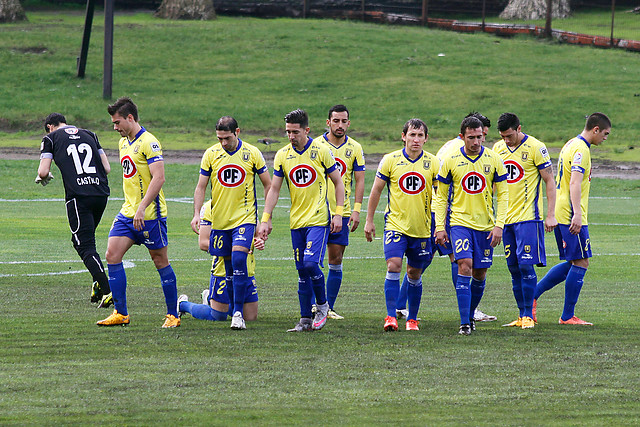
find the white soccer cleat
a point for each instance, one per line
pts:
(237, 321)
(322, 310)
(181, 298)
(479, 316)
(402, 314)
(205, 297)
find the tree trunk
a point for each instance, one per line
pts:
(186, 9)
(11, 11)
(535, 9)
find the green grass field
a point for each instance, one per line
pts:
(59, 368)
(185, 75)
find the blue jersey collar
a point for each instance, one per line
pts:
(142, 130)
(585, 141)
(309, 140)
(406, 156)
(464, 153)
(346, 138)
(231, 153)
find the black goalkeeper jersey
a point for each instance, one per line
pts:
(76, 152)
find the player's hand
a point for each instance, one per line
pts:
(336, 224)
(354, 221)
(550, 223)
(576, 224)
(258, 243)
(441, 237)
(44, 181)
(262, 231)
(138, 219)
(369, 231)
(195, 224)
(496, 236)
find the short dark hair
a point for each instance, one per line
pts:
(598, 119)
(483, 119)
(508, 121)
(124, 106)
(470, 122)
(227, 123)
(416, 124)
(54, 119)
(339, 108)
(298, 116)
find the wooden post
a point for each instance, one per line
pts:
(425, 10)
(362, 9)
(108, 50)
(304, 9)
(484, 8)
(86, 36)
(613, 12)
(547, 26)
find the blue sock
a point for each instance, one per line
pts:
(516, 286)
(477, 290)
(118, 285)
(557, 274)
(454, 273)
(334, 280)
(414, 293)
(305, 293)
(228, 282)
(572, 287)
(463, 294)
(529, 280)
(317, 281)
(401, 302)
(170, 289)
(202, 311)
(240, 279)
(391, 291)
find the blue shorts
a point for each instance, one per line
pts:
(418, 250)
(309, 245)
(222, 241)
(524, 243)
(153, 235)
(571, 246)
(341, 238)
(469, 243)
(219, 293)
(445, 249)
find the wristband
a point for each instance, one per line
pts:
(357, 206)
(339, 210)
(265, 217)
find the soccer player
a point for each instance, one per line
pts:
(231, 166)
(572, 234)
(217, 299)
(84, 166)
(445, 249)
(528, 164)
(350, 159)
(471, 171)
(143, 217)
(409, 175)
(305, 165)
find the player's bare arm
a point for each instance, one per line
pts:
(550, 221)
(336, 221)
(105, 163)
(374, 199)
(265, 178)
(156, 170)
(495, 236)
(264, 229)
(575, 194)
(442, 195)
(354, 221)
(198, 200)
(203, 237)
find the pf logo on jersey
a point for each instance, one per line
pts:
(128, 167)
(302, 176)
(231, 175)
(412, 183)
(342, 166)
(515, 171)
(474, 183)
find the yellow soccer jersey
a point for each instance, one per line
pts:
(523, 177)
(350, 158)
(217, 265)
(574, 156)
(135, 158)
(233, 186)
(472, 180)
(409, 184)
(452, 144)
(306, 175)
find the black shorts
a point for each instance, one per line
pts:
(84, 214)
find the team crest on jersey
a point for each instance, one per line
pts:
(309, 244)
(426, 164)
(241, 230)
(341, 165)
(313, 154)
(525, 156)
(231, 176)
(527, 248)
(487, 253)
(515, 171)
(487, 169)
(412, 183)
(145, 234)
(128, 167)
(348, 153)
(302, 176)
(71, 130)
(474, 183)
(423, 245)
(136, 149)
(246, 156)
